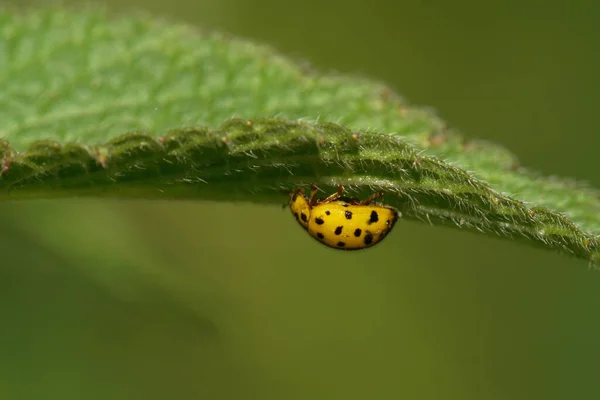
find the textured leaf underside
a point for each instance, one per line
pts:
(135, 107)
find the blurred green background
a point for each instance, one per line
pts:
(154, 300)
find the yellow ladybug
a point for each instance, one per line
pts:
(343, 223)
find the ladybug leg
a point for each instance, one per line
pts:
(371, 198)
(334, 196)
(311, 200)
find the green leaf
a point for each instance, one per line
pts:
(135, 107)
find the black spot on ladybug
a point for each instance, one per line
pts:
(368, 238)
(341, 244)
(374, 217)
(348, 214)
(357, 232)
(345, 205)
(296, 215)
(319, 221)
(327, 212)
(387, 221)
(320, 235)
(338, 230)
